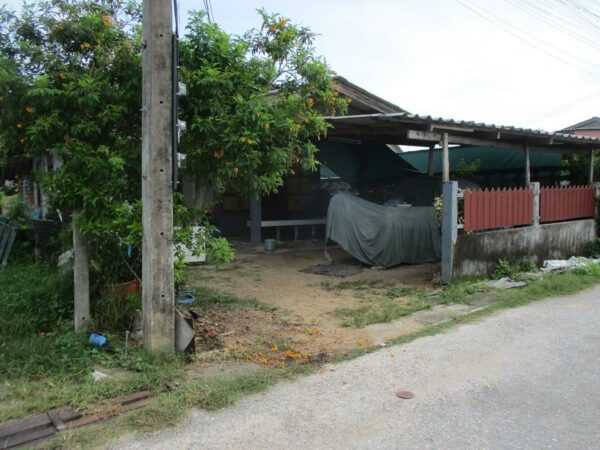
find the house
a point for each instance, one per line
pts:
(299, 207)
(589, 127)
(362, 153)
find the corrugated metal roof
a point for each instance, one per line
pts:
(457, 126)
(592, 123)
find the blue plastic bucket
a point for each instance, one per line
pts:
(270, 245)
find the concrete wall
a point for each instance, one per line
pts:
(478, 253)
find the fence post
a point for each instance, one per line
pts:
(597, 214)
(449, 228)
(535, 187)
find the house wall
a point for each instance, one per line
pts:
(588, 133)
(478, 253)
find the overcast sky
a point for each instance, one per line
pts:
(529, 63)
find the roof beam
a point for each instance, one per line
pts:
(426, 136)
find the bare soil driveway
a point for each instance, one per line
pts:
(523, 378)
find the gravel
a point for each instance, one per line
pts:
(524, 378)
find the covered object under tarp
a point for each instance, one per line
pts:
(383, 235)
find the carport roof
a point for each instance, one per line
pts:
(412, 129)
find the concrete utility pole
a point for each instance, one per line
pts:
(158, 302)
(81, 279)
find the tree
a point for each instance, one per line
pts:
(74, 80)
(255, 104)
(70, 86)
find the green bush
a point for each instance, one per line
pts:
(34, 298)
(504, 268)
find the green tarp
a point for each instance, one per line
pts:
(383, 235)
(490, 159)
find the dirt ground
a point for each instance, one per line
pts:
(302, 324)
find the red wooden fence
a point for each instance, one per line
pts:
(497, 208)
(567, 203)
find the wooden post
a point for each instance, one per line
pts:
(255, 220)
(81, 279)
(591, 168)
(430, 167)
(158, 297)
(527, 165)
(449, 228)
(446, 153)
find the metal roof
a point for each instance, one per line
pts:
(592, 123)
(363, 101)
(414, 129)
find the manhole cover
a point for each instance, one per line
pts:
(405, 395)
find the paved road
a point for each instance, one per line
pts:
(526, 378)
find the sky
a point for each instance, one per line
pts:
(528, 63)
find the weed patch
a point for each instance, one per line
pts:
(206, 295)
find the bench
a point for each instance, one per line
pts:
(293, 223)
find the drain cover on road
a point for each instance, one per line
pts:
(407, 395)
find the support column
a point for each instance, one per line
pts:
(527, 165)
(591, 168)
(158, 296)
(446, 158)
(363, 175)
(255, 220)
(81, 279)
(449, 228)
(430, 166)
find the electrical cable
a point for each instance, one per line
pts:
(560, 110)
(560, 25)
(535, 38)
(525, 40)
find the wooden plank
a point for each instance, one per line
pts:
(486, 197)
(56, 420)
(291, 223)
(131, 398)
(427, 136)
(38, 420)
(498, 208)
(467, 211)
(27, 437)
(97, 418)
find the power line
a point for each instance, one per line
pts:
(559, 23)
(535, 38)
(562, 109)
(212, 13)
(208, 10)
(525, 40)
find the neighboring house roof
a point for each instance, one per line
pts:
(363, 101)
(490, 161)
(413, 129)
(590, 124)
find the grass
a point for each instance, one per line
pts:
(51, 369)
(379, 302)
(44, 365)
(169, 409)
(205, 295)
